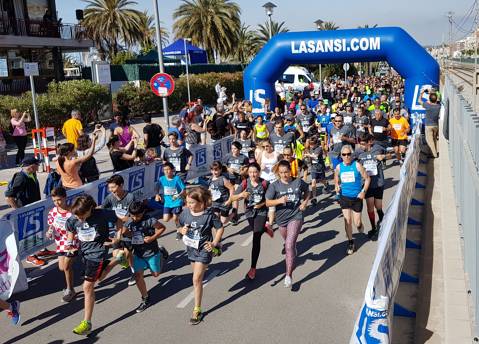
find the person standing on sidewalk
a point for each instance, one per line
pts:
(433, 107)
(153, 134)
(72, 129)
(19, 132)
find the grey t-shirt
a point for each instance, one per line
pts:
(235, 163)
(306, 121)
(281, 142)
(336, 141)
(120, 206)
(93, 233)
(219, 192)
(256, 196)
(140, 230)
(373, 166)
(317, 161)
(200, 227)
(247, 148)
(432, 114)
(178, 157)
(294, 190)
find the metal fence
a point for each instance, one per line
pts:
(461, 127)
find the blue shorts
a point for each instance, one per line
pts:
(153, 263)
(172, 211)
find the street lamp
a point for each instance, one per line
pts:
(160, 58)
(319, 26)
(269, 7)
(187, 73)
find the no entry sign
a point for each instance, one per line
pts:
(162, 84)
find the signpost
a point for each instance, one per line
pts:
(31, 70)
(162, 84)
(346, 68)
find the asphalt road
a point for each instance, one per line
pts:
(322, 306)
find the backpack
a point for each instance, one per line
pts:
(54, 180)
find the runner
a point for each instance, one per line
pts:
(247, 146)
(399, 130)
(279, 139)
(221, 190)
(253, 190)
(379, 129)
(179, 156)
(348, 180)
(260, 130)
(92, 226)
(290, 197)
(144, 231)
(197, 222)
(314, 155)
(340, 135)
(57, 218)
(305, 120)
(296, 164)
(13, 310)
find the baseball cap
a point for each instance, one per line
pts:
(30, 161)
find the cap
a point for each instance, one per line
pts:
(30, 161)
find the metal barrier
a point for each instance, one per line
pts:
(462, 126)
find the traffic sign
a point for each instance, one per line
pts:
(346, 67)
(31, 69)
(162, 84)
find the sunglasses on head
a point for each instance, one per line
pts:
(346, 154)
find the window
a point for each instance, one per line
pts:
(303, 79)
(287, 78)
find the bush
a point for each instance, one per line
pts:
(142, 100)
(55, 105)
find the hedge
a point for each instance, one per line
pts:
(141, 99)
(55, 105)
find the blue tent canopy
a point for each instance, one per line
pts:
(196, 55)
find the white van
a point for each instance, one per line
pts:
(298, 78)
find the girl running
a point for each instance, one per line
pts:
(221, 190)
(198, 221)
(290, 197)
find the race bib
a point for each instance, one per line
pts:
(397, 126)
(192, 239)
(170, 191)
(60, 221)
(235, 167)
(137, 238)
(378, 129)
(87, 234)
(291, 198)
(371, 167)
(348, 177)
(176, 163)
(215, 194)
(278, 148)
(337, 138)
(257, 198)
(348, 120)
(305, 126)
(120, 212)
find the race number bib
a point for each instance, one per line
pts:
(87, 234)
(176, 163)
(235, 167)
(278, 148)
(215, 194)
(305, 126)
(397, 126)
(120, 212)
(192, 239)
(348, 120)
(378, 129)
(137, 238)
(257, 198)
(371, 167)
(291, 198)
(323, 129)
(348, 177)
(170, 191)
(337, 138)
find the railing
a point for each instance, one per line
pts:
(39, 28)
(461, 125)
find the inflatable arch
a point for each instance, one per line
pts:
(391, 44)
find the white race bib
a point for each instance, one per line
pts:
(337, 138)
(348, 120)
(176, 163)
(291, 198)
(371, 167)
(120, 212)
(348, 177)
(215, 194)
(170, 191)
(378, 129)
(257, 198)
(87, 234)
(397, 126)
(193, 241)
(137, 238)
(279, 148)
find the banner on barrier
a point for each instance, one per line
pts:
(30, 222)
(374, 321)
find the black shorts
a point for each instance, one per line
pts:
(318, 175)
(396, 143)
(355, 204)
(200, 256)
(221, 209)
(257, 222)
(377, 193)
(94, 269)
(123, 244)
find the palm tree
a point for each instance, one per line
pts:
(246, 45)
(262, 34)
(148, 33)
(111, 24)
(211, 24)
(329, 26)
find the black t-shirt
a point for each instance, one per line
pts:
(154, 132)
(220, 126)
(119, 164)
(24, 188)
(379, 128)
(243, 125)
(139, 230)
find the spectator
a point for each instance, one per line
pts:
(125, 132)
(19, 132)
(433, 107)
(193, 128)
(153, 134)
(73, 128)
(176, 128)
(89, 170)
(116, 120)
(120, 157)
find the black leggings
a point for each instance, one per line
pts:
(21, 142)
(257, 224)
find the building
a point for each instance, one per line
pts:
(31, 32)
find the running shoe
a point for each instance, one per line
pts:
(234, 220)
(268, 229)
(196, 318)
(179, 236)
(14, 312)
(35, 261)
(68, 295)
(132, 280)
(251, 274)
(83, 329)
(350, 250)
(145, 303)
(164, 252)
(372, 233)
(46, 253)
(288, 282)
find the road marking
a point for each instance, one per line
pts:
(247, 241)
(191, 295)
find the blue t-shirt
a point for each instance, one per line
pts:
(169, 188)
(324, 120)
(312, 103)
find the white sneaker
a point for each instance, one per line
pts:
(288, 282)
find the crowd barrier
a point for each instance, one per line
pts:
(373, 324)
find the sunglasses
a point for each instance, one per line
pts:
(339, 121)
(346, 154)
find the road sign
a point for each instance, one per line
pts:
(162, 84)
(31, 69)
(101, 73)
(346, 67)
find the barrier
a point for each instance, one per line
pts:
(374, 321)
(30, 222)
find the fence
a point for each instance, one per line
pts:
(461, 128)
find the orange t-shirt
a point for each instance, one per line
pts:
(70, 177)
(399, 128)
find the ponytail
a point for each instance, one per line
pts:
(63, 151)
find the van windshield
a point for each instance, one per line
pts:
(312, 77)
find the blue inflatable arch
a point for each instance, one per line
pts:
(391, 44)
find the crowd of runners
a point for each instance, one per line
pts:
(281, 160)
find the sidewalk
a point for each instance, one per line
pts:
(443, 311)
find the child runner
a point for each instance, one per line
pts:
(197, 222)
(179, 156)
(13, 310)
(317, 167)
(57, 218)
(144, 231)
(92, 226)
(172, 192)
(290, 197)
(221, 190)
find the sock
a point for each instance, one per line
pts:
(351, 241)
(380, 215)
(372, 219)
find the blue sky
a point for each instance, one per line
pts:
(425, 20)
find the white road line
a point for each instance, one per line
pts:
(191, 295)
(248, 241)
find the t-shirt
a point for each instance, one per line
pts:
(220, 125)
(219, 192)
(373, 167)
(70, 174)
(247, 147)
(306, 121)
(93, 233)
(398, 128)
(24, 188)
(256, 196)
(432, 114)
(281, 142)
(19, 128)
(336, 141)
(153, 131)
(119, 206)
(294, 190)
(119, 164)
(243, 125)
(57, 222)
(317, 161)
(178, 157)
(379, 128)
(235, 163)
(362, 122)
(170, 188)
(139, 230)
(349, 118)
(199, 227)
(71, 129)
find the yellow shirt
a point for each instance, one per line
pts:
(71, 129)
(399, 128)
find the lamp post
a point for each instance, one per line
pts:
(269, 7)
(160, 58)
(319, 26)
(187, 73)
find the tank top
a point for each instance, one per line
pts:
(351, 181)
(125, 136)
(267, 173)
(261, 131)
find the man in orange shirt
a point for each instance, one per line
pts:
(72, 128)
(399, 130)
